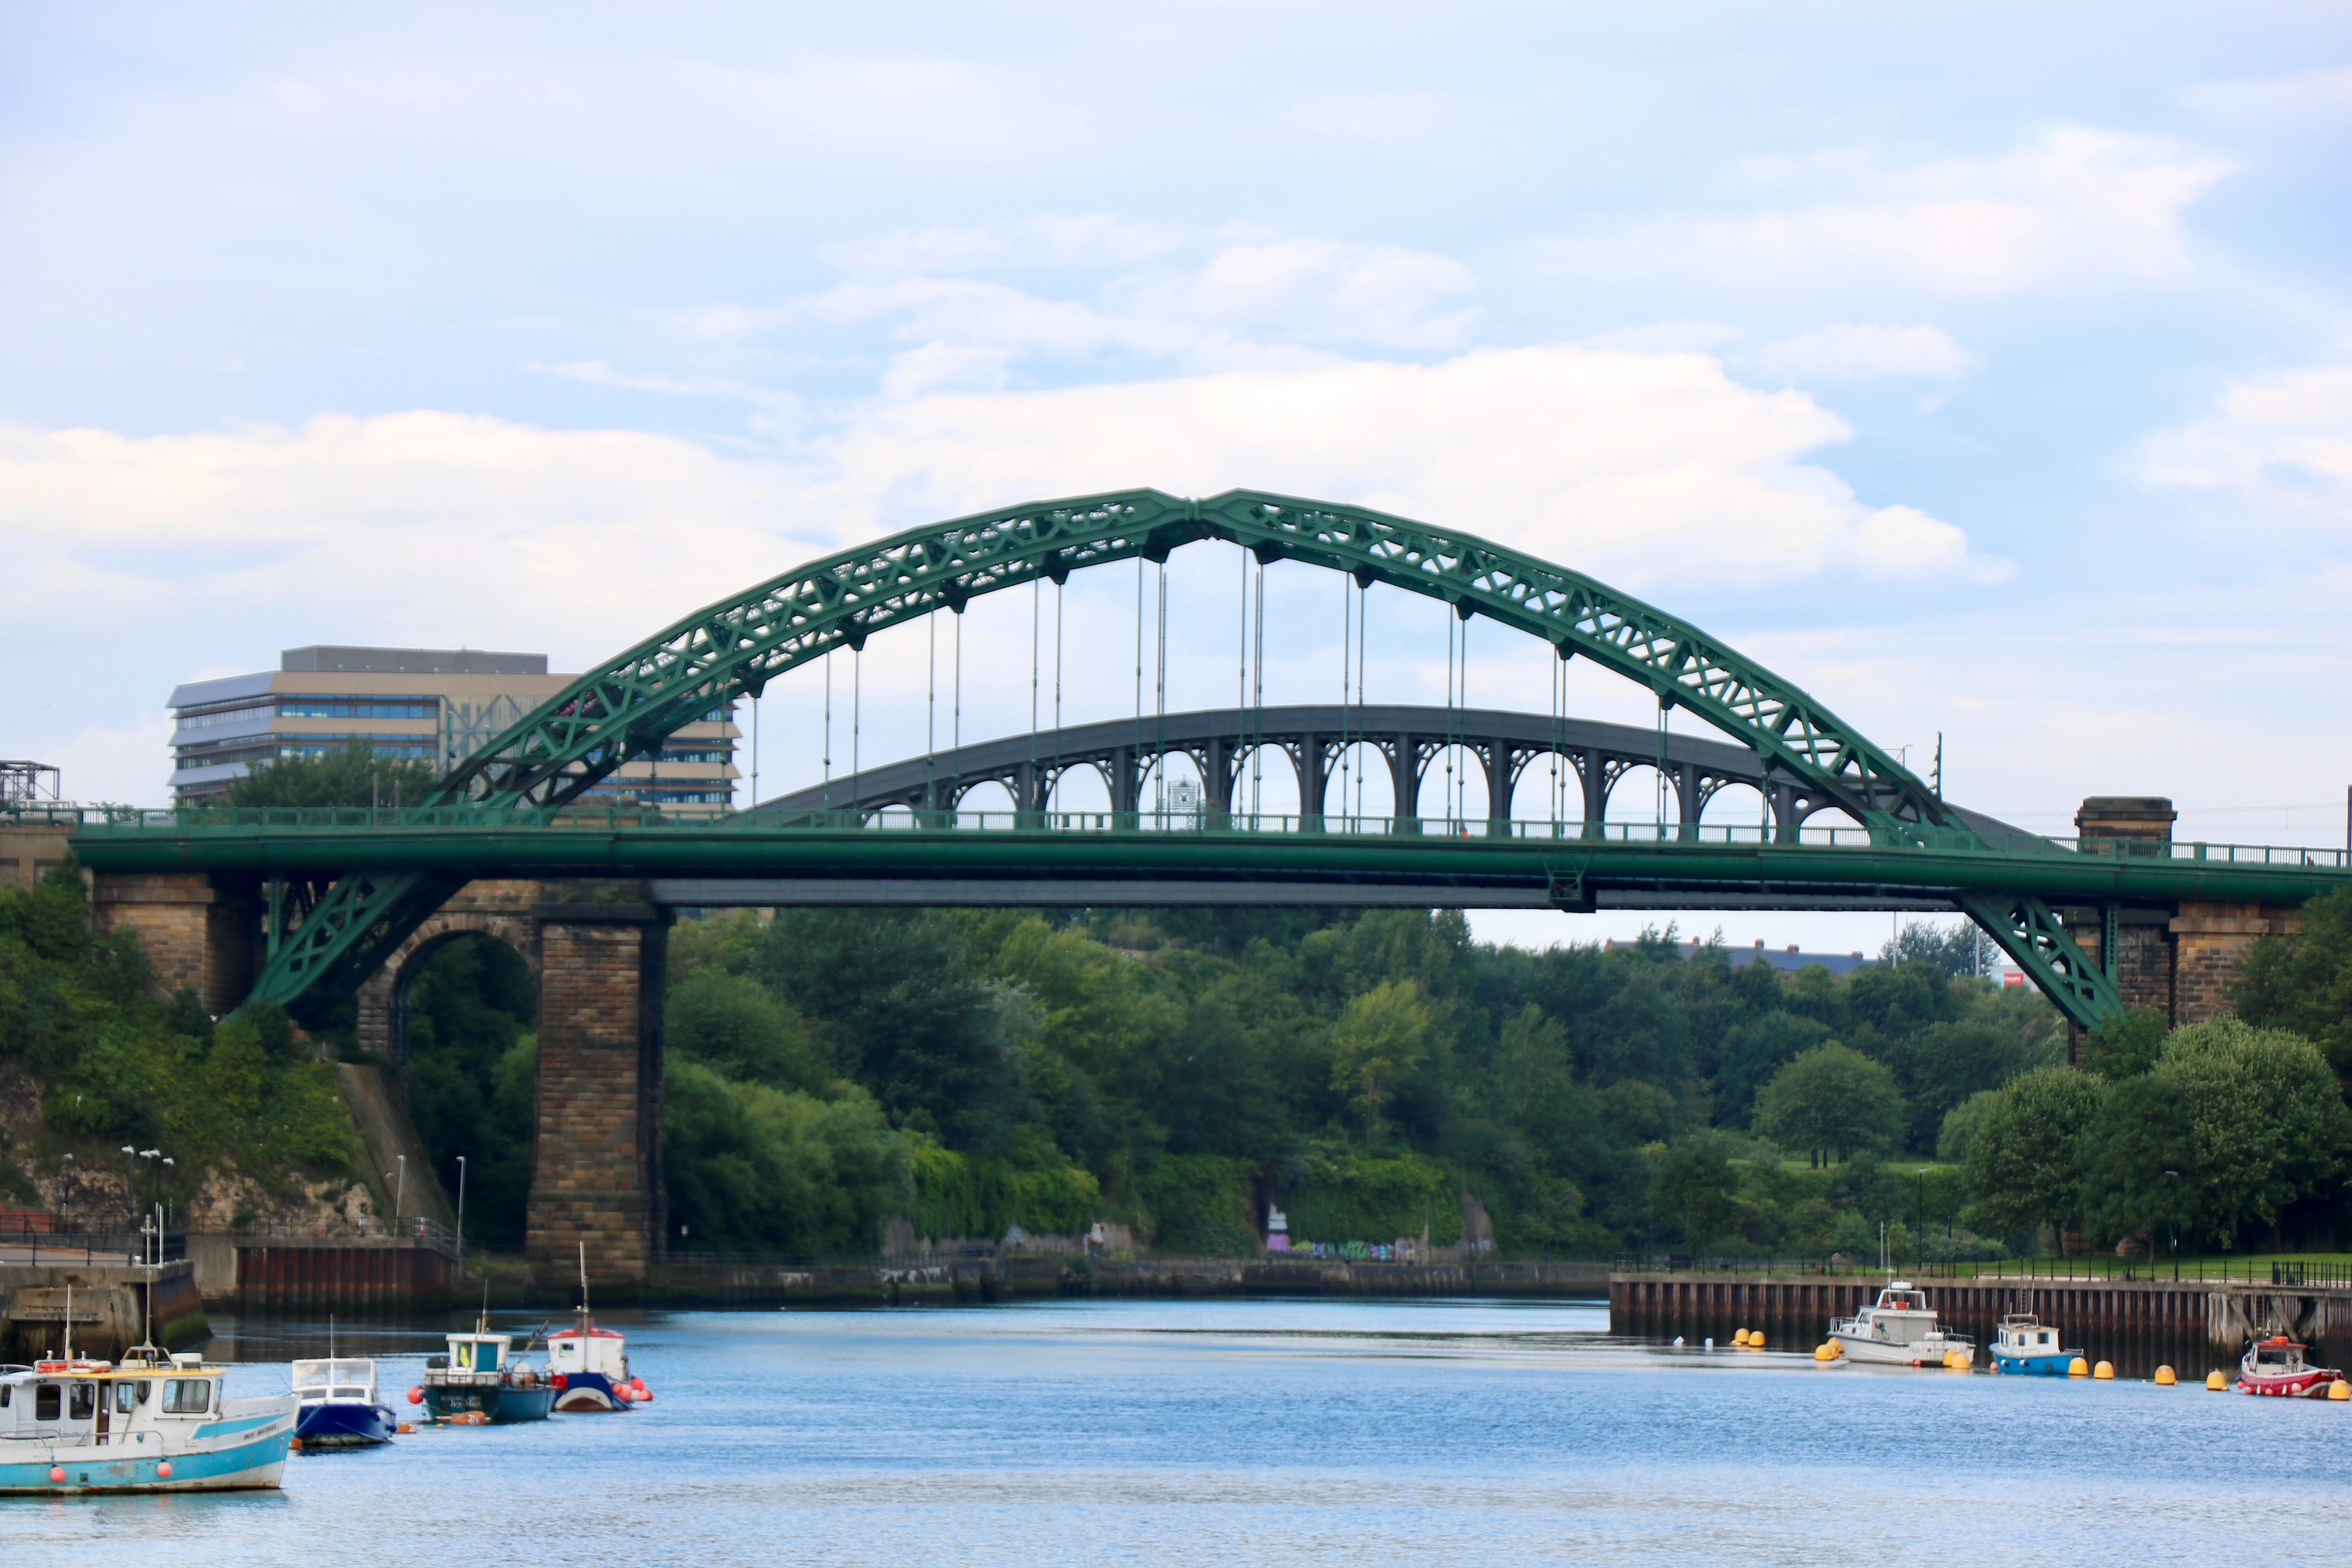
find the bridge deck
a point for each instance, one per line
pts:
(944, 857)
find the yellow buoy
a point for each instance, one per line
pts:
(1955, 1362)
(1829, 1351)
(2105, 1372)
(2339, 1391)
(2216, 1383)
(2078, 1367)
(1740, 1336)
(2164, 1378)
(1756, 1339)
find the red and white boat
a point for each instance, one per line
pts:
(2275, 1366)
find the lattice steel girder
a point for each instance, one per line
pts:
(735, 648)
(2030, 931)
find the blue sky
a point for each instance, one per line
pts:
(1985, 369)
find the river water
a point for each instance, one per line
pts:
(1256, 1432)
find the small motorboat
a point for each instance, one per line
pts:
(2024, 1343)
(339, 1405)
(479, 1382)
(591, 1365)
(1900, 1330)
(147, 1424)
(2275, 1366)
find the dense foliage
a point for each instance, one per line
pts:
(245, 1120)
(350, 774)
(1180, 1073)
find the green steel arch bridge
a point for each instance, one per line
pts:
(357, 883)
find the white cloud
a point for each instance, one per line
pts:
(1641, 469)
(2298, 101)
(2283, 442)
(417, 528)
(1847, 351)
(2075, 209)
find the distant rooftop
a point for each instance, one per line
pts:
(409, 661)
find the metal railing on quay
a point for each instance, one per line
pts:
(27, 1245)
(2090, 1269)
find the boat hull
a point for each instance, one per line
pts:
(2302, 1386)
(585, 1391)
(503, 1406)
(345, 1425)
(255, 1465)
(2053, 1366)
(1877, 1352)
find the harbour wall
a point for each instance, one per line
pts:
(915, 1282)
(114, 1307)
(2136, 1319)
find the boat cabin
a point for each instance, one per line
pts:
(337, 1381)
(2278, 1356)
(97, 1404)
(476, 1355)
(575, 1351)
(2026, 1334)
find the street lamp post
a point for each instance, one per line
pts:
(65, 1193)
(2175, 1177)
(130, 1184)
(461, 1217)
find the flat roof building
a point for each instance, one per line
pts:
(436, 706)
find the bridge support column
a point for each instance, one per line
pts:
(597, 1175)
(197, 936)
(2208, 940)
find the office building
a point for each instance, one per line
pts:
(429, 705)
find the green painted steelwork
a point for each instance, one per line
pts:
(734, 648)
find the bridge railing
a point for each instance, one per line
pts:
(110, 820)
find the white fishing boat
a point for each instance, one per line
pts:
(1899, 1330)
(143, 1424)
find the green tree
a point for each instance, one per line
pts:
(2265, 1122)
(1693, 1185)
(352, 775)
(1832, 1101)
(2304, 983)
(471, 1078)
(738, 1029)
(2124, 1045)
(2138, 1170)
(1379, 1041)
(1958, 1133)
(2021, 1162)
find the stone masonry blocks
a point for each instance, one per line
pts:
(195, 936)
(596, 1177)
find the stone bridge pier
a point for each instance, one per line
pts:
(2180, 957)
(598, 950)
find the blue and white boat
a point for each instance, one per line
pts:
(145, 1424)
(589, 1365)
(340, 1407)
(2025, 1344)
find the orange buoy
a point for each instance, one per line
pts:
(295, 1444)
(163, 1471)
(57, 1475)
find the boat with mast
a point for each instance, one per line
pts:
(591, 1365)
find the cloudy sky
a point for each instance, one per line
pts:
(1985, 369)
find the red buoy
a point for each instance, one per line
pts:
(163, 1471)
(416, 1396)
(57, 1474)
(559, 1380)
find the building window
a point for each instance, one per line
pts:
(358, 708)
(207, 720)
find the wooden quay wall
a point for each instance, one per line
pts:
(1795, 1310)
